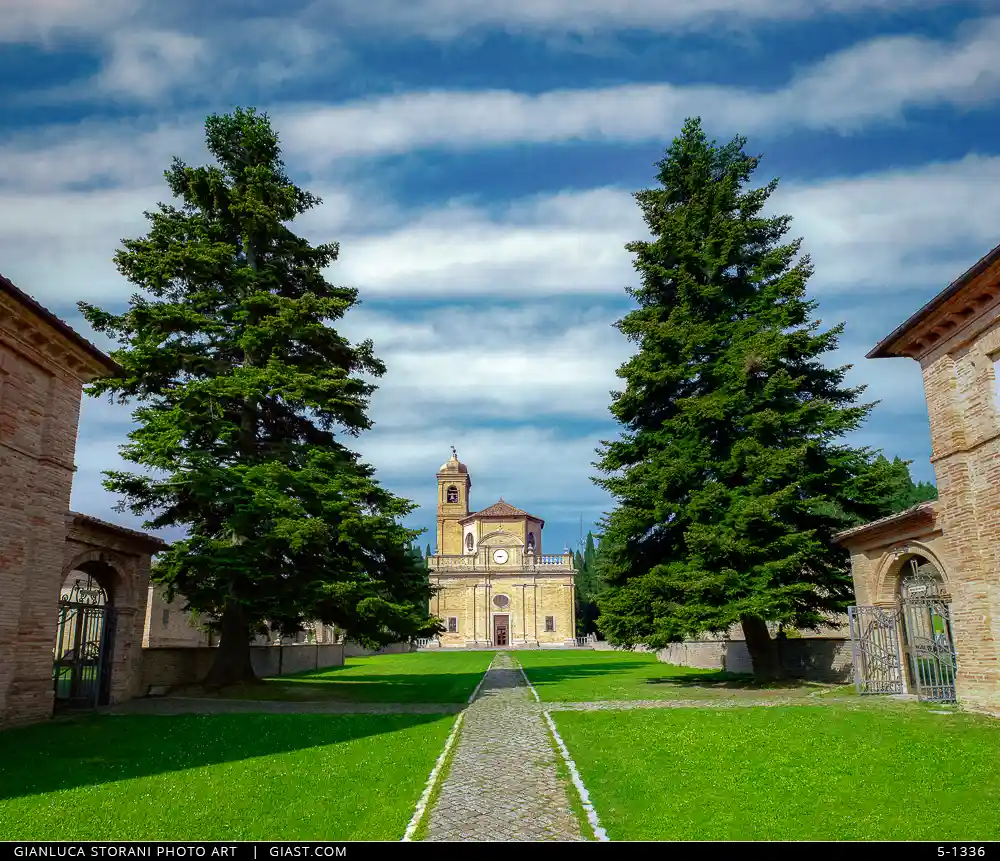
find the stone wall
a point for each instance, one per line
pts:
(354, 650)
(164, 668)
(169, 625)
(819, 659)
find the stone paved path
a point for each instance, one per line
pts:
(503, 784)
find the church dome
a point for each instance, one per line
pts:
(454, 464)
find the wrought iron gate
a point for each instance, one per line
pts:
(875, 642)
(914, 638)
(80, 670)
(927, 638)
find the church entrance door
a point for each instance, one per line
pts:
(500, 629)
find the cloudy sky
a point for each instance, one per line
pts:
(477, 161)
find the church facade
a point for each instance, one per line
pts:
(493, 584)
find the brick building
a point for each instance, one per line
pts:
(72, 588)
(494, 585)
(938, 564)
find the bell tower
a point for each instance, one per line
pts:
(453, 484)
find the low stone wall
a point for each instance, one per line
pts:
(354, 650)
(164, 668)
(819, 659)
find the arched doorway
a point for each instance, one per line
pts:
(928, 644)
(81, 670)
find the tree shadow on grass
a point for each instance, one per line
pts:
(641, 673)
(99, 749)
(356, 688)
(720, 680)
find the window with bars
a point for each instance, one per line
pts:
(453, 624)
(550, 624)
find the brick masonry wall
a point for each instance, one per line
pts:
(39, 410)
(960, 383)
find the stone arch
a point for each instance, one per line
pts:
(109, 570)
(451, 494)
(500, 538)
(888, 577)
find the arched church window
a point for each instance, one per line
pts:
(469, 541)
(452, 494)
(531, 540)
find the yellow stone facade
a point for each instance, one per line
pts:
(494, 586)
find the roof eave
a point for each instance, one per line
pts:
(67, 331)
(883, 349)
(921, 511)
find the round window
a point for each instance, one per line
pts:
(501, 601)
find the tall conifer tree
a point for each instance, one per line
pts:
(247, 398)
(730, 476)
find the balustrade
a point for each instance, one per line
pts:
(469, 562)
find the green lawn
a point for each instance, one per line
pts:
(217, 777)
(584, 676)
(417, 677)
(789, 773)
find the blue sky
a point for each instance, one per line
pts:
(477, 161)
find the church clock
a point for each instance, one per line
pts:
(500, 556)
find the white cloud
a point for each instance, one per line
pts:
(527, 363)
(47, 21)
(871, 82)
(41, 20)
(449, 19)
(125, 155)
(864, 84)
(897, 230)
(540, 469)
(59, 248)
(146, 64)
(572, 243)
(904, 230)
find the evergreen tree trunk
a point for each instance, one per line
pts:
(232, 665)
(763, 650)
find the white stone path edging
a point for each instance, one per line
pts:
(421, 808)
(574, 773)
